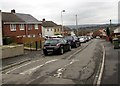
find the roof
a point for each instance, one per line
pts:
(48, 24)
(26, 17)
(66, 28)
(18, 17)
(10, 17)
(117, 30)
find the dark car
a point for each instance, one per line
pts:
(73, 41)
(56, 45)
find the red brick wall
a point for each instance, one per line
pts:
(18, 32)
(7, 32)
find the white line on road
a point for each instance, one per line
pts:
(102, 68)
(35, 68)
(21, 66)
(60, 70)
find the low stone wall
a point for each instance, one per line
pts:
(11, 51)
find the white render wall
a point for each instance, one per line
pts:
(47, 33)
(1, 28)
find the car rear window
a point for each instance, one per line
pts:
(68, 38)
(51, 41)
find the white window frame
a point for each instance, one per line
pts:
(29, 36)
(21, 26)
(34, 35)
(12, 27)
(36, 26)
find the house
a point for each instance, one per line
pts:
(58, 30)
(48, 28)
(19, 25)
(117, 31)
(67, 31)
(1, 29)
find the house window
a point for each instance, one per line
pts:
(29, 27)
(21, 26)
(36, 26)
(33, 35)
(55, 30)
(12, 27)
(29, 36)
(24, 35)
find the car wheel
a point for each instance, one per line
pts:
(79, 44)
(76, 45)
(69, 48)
(61, 51)
(45, 53)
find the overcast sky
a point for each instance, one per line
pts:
(88, 11)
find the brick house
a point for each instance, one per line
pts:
(19, 25)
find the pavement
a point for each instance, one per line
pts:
(111, 72)
(27, 56)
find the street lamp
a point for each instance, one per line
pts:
(62, 22)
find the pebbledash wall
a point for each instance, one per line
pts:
(0, 28)
(11, 51)
(0, 47)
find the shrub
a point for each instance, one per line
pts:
(7, 40)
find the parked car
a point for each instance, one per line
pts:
(56, 45)
(73, 41)
(82, 39)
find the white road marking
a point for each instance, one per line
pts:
(21, 66)
(102, 68)
(35, 68)
(60, 71)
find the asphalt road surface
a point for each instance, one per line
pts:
(75, 67)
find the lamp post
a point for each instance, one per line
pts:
(110, 23)
(62, 21)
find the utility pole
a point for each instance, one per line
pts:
(77, 25)
(62, 21)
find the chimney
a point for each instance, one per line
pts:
(13, 11)
(43, 20)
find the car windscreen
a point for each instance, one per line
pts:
(51, 41)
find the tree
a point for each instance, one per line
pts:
(108, 31)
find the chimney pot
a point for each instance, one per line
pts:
(13, 11)
(43, 19)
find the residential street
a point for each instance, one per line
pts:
(51, 42)
(75, 67)
(79, 66)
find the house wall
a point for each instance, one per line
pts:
(46, 32)
(8, 32)
(18, 32)
(57, 30)
(34, 31)
(43, 31)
